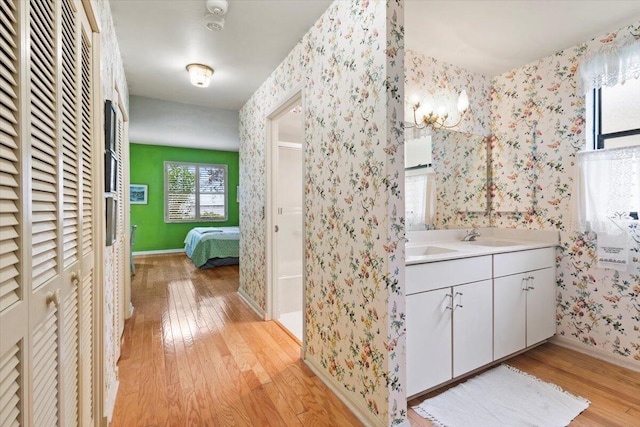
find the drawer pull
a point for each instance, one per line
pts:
(448, 307)
(460, 304)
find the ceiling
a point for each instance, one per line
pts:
(160, 122)
(493, 37)
(158, 38)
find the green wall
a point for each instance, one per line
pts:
(147, 167)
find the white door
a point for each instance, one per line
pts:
(42, 213)
(428, 340)
(472, 326)
(541, 305)
(289, 235)
(286, 170)
(509, 317)
(91, 186)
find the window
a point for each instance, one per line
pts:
(617, 115)
(195, 192)
(420, 199)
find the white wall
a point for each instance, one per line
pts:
(159, 122)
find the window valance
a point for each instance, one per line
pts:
(610, 66)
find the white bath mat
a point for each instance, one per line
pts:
(503, 397)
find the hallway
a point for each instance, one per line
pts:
(195, 355)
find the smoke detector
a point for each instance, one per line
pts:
(214, 22)
(217, 7)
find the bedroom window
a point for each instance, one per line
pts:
(195, 192)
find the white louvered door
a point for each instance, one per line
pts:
(46, 244)
(119, 245)
(87, 239)
(44, 233)
(14, 309)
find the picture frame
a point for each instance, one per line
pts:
(138, 194)
(109, 126)
(110, 172)
(111, 205)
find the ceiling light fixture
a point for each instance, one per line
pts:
(437, 119)
(213, 22)
(199, 74)
(217, 7)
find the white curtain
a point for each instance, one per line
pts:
(608, 188)
(420, 199)
(611, 65)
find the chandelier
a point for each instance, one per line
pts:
(437, 119)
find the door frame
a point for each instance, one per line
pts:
(295, 96)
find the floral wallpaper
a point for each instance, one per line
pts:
(538, 123)
(437, 81)
(395, 373)
(111, 69)
(350, 66)
(460, 166)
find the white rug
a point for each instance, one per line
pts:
(503, 397)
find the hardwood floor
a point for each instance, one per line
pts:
(614, 392)
(195, 355)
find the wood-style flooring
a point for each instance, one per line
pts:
(614, 392)
(194, 354)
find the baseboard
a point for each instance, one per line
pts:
(110, 402)
(361, 412)
(288, 332)
(598, 353)
(251, 303)
(158, 252)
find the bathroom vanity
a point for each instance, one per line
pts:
(471, 303)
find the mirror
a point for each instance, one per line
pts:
(451, 192)
(459, 154)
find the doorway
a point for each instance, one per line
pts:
(286, 202)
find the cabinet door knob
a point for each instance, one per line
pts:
(53, 297)
(75, 278)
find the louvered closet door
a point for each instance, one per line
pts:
(87, 229)
(46, 186)
(119, 245)
(14, 310)
(70, 148)
(47, 133)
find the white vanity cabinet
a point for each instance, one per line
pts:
(472, 321)
(524, 299)
(465, 313)
(429, 356)
(449, 321)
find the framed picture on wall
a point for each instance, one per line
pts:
(109, 126)
(112, 212)
(110, 172)
(138, 194)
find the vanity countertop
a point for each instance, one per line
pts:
(441, 245)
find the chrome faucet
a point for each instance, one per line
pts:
(471, 236)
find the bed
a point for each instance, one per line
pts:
(213, 246)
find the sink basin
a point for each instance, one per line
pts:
(493, 243)
(427, 250)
